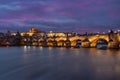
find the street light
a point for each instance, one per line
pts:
(103, 32)
(115, 31)
(118, 30)
(98, 32)
(109, 31)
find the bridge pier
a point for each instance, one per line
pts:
(60, 43)
(77, 43)
(113, 45)
(85, 44)
(93, 45)
(43, 44)
(52, 43)
(67, 43)
(55, 44)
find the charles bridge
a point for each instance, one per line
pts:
(53, 39)
(86, 41)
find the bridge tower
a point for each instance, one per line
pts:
(113, 41)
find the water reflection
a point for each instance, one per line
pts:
(38, 63)
(102, 46)
(50, 48)
(25, 48)
(41, 48)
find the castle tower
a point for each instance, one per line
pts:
(32, 30)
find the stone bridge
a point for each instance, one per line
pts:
(91, 41)
(86, 41)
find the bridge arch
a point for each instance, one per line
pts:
(101, 42)
(95, 38)
(74, 42)
(67, 43)
(78, 42)
(60, 43)
(51, 42)
(86, 43)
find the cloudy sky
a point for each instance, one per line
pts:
(60, 15)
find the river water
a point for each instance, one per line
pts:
(37, 63)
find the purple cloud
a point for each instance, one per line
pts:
(61, 15)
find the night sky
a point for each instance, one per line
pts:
(60, 15)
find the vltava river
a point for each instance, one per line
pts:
(37, 63)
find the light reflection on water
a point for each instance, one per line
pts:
(102, 45)
(38, 63)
